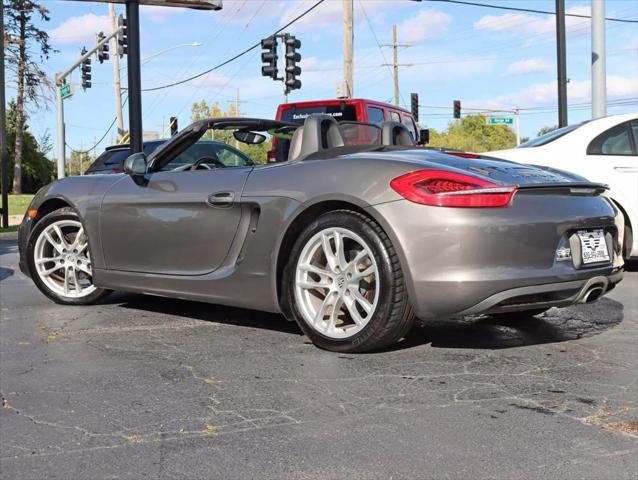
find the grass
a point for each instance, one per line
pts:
(18, 204)
(13, 228)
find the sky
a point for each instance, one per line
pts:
(487, 58)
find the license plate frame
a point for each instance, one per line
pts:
(593, 246)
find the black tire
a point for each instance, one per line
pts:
(520, 315)
(38, 229)
(393, 316)
(628, 240)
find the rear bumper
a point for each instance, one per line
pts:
(470, 261)
(548, 295)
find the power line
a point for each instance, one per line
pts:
(101, 139)
(241, 54)
(528, 10)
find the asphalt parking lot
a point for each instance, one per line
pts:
(152, 387)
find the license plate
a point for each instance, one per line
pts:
(593, 246)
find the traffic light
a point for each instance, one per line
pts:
(414, 101)
(457, 108)
(269, 57)
(86, 70)
(103, 52)
(173, 121)
(292, 58)
(122, 37)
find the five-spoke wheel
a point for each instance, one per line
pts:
(336, 282)
(344, 286)
(60, 259)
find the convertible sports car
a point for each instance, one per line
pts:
(352, 237)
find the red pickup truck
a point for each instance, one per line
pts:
(351, 109)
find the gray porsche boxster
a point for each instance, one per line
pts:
(355, 235)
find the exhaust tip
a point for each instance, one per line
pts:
(593, 294)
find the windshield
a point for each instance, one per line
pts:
(550, 136)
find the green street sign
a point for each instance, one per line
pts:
(500, 121)
(65, 91)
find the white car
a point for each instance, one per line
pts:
(604, 150)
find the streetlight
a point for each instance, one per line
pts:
(169, 49)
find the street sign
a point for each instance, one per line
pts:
(500, 120)
(66, 91)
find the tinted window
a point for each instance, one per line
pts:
(614, 141)
(407, 121)
(375, 115)
(113, 159)
(109, 160)
(394, 116)
(298, 115)
(550, 136)
(634, 130)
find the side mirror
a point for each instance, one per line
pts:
(135, 165)
(424, 136)
(251, 138)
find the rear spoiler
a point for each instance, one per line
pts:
(576, 188)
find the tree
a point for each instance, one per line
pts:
(79, 162)
(202, 110)
(37, 170)
(27, 48)
(545, 130)
(472, 133)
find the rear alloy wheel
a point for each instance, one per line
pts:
(60, 260)
(344, 284)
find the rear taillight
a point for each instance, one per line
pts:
(441, 188)
(272, 156)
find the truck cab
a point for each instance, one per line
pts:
(343, 110)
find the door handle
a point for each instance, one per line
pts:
(221, 199)
(626, 169)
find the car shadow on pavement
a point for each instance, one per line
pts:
(485, 332)
(204, 311)
(479, 332)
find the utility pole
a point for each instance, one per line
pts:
(598, 60)
(348, 42)
(395, 64)
(116, 75)
(517, 114)
(237, 114)
(4, 153)
(561, 62)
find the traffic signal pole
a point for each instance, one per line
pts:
(60, 81)
(134, 75)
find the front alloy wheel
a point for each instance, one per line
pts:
(60, 261)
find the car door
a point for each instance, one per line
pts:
(176, 221)
(613, 159)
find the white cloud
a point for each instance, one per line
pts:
(329, 15)
(159, 14)
(80, 29)
(530, 65)
(531, 24)
(427, 24)
(577, 91)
